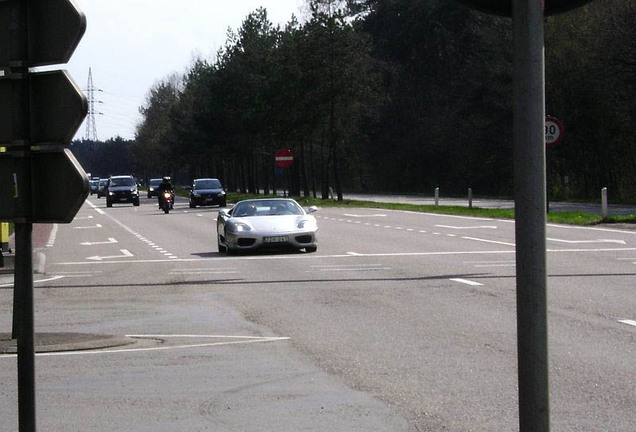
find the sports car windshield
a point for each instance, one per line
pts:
(266, 208)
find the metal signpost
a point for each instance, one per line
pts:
(40, 111)
(284, 159)
(530, 200)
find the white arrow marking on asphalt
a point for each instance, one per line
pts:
(110, 240)
(125, 254)
(89, 227)
(587, 241)
(468, 227)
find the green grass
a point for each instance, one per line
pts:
(569, 218)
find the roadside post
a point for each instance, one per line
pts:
(530, 199)
(604, 207)
(40, 111)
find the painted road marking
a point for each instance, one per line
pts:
(35, 281)
(467, 282)
(628, 322)
(489, 241)
(52, 237)
(349, 254)
(467, 227)
(110, 240)
(241, 340)
(124, 254)
(364, 216)
(586, 241)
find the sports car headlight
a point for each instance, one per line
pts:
(306, 224)
(241, 227)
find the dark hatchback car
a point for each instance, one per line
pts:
(207, 191)
(153, 184)
(122, 189)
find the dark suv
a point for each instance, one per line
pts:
(207, 191)
(122, 189)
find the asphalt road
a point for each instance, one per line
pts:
(400, 322)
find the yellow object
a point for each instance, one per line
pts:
(4, 236)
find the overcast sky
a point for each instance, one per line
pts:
(132, 44)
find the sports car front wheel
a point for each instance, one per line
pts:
(222, 248)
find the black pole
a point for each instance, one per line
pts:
(26, 335)
(23, 273)
(530, 216)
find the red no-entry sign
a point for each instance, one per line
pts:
(284, 158)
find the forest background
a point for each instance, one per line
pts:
(389, 96)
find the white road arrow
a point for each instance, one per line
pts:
(125, 254)
(88, 227)
(587, 241)
(110, 240)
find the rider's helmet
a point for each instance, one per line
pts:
(166, 179)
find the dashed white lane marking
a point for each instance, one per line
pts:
(52, 237)
(467, 282)
(628, 322)
(241, 340)
(136, 234)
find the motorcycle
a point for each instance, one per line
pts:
(167, 201)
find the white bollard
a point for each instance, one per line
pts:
(436, 198)
(604, 203)
(470, 198)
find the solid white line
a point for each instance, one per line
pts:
(467, 227)
(488, 241)
(628, 322)
(467, 282)
(160, 348)
(347, 255)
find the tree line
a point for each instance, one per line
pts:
(395, 96)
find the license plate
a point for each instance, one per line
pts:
(275, 239)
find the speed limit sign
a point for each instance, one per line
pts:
(553, 131)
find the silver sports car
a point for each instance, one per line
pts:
(276, 223)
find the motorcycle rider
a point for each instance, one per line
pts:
(165, 185)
